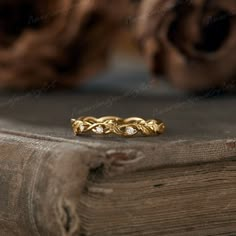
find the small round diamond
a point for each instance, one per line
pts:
(81, 128)
(99, 130)
(130, 131)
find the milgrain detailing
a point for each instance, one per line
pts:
(128, 127)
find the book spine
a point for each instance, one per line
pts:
(40, 186)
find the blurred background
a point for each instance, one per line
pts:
(151, 46)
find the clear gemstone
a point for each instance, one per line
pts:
(99, 129)
(81, 128)
(130, 131)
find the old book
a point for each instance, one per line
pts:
(181, 183)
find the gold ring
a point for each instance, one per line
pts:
(116, 125)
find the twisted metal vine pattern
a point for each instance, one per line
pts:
(116, 125)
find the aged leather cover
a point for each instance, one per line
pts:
(181, 183)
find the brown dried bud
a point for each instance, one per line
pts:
(191, 42)
(61, 41)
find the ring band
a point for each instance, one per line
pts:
(116, 125)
